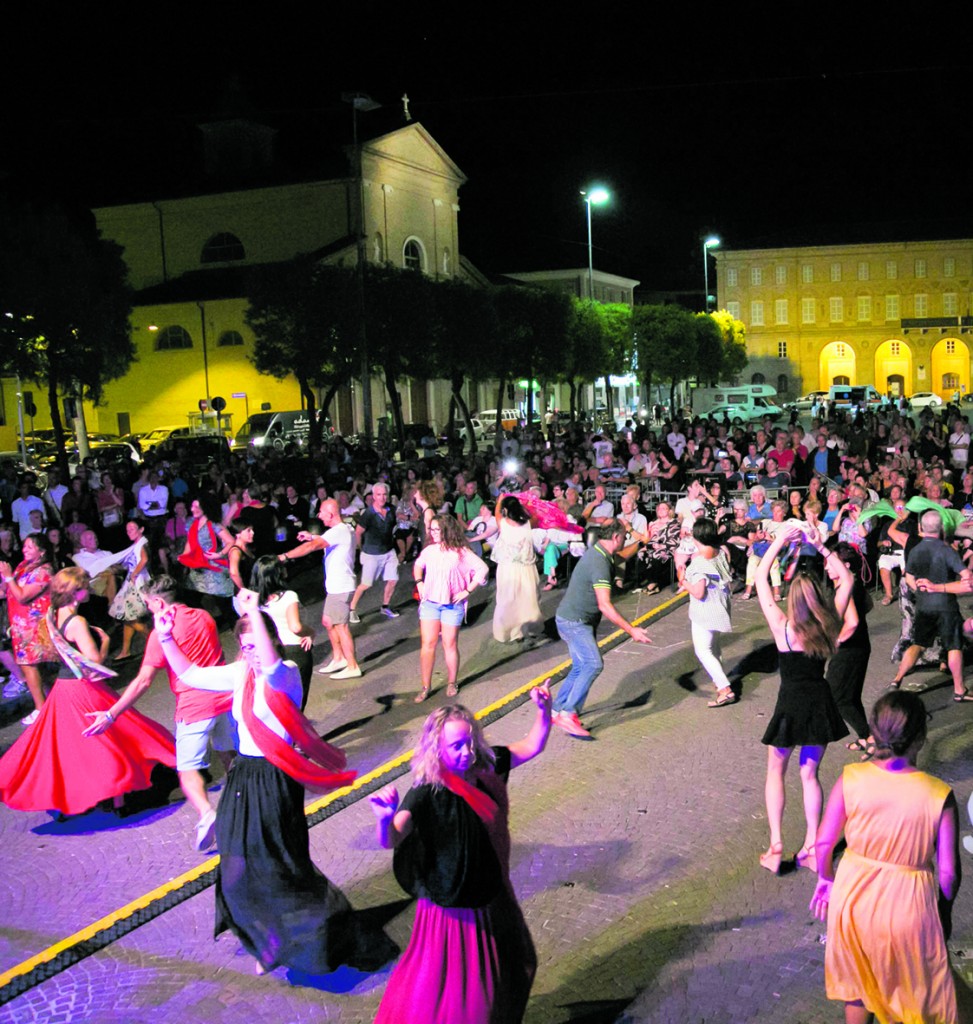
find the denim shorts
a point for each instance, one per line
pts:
(448, 614)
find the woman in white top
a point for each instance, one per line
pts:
(128, 605)
(268, 891)
(284, 608)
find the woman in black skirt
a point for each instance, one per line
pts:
(805, 715)
(268, 891)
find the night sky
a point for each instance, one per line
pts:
(780, 131)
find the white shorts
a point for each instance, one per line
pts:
(193, 739)
(372, 565)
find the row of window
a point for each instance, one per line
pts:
(895, 349)
(176, 337)
(836, 309)
(225, 247)
(920, 268)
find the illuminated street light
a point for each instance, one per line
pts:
(597, 196)
(713, 242)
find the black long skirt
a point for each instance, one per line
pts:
(268, 891)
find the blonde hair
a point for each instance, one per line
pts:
(66, 584)
(427, 765)
(811, 617)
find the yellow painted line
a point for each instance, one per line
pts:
(179, 881)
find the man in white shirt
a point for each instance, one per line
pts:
(54, 495)
(338, 542)
(959, 444)
(21, 508)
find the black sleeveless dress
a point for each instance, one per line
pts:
(806, 714)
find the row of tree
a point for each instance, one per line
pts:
(308, 320)
(65, 308)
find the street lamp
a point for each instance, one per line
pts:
(713, 242)
(598, 196)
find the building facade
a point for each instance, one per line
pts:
(188, 258)
(893, 315)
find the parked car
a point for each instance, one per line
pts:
(806, 402)
(925, 400)
(509, 418)
(479, 431)
(195, 451)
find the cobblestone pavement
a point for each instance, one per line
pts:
(635, 856)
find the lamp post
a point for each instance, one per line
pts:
(361, 102)
(713, 242)
(597, 196)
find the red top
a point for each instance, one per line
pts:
(196, 633)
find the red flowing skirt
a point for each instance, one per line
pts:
(475, 966)
(52, 767)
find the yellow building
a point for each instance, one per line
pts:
(188, 257)
(894, 315)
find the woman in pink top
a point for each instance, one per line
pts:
(446, 573)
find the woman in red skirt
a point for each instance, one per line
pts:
(52, 767)
(470, 957)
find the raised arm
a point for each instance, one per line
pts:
(534, 742)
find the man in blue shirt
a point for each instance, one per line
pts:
(588, 598)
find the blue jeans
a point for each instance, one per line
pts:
(586, 665)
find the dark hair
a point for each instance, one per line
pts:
(898, 721)
(244, 627)
(850, 556)
(210, 505)
(162, 586)
(706, 533)
(43, 543)
(265, 577)
(452, 536)
(512, 509)
(613, 528)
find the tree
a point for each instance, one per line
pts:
(304, 319)
(665, 344)
(617, 321)
(587, 350)
(709, 350)
(64, 319)
(734, 336)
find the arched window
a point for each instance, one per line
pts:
(378, 244)
(413, 255)
(173, 337)
(222, 248)
(841, 380)
(757, 378)
(781, 383)
(229, 338)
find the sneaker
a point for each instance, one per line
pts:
(389, 613)
(14, 688)
(333, 666)
(205, 830)
(571, 724)
(348, 673)
(353, 617)
(31, 718)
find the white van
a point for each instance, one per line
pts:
(739, 407)
(853, 396)
(508, 419)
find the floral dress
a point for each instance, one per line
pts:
(28, 627)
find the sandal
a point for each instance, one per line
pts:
(421, 695)
(895, 684)
(452, 690)
(746, 595)
(652, 588)
(865, 747)
(963, 698)
(723, 698)
(550, 585)
(805, 858)
(886, 601)
(772, 858)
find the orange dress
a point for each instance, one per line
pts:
(885, 941)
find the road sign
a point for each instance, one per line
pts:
(218, 403)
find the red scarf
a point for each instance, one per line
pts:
(319, 767)
(194, 557)
(482, 804)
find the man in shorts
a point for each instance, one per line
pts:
(202, 718)
(936, 571)
(376, 525)
(338, 541)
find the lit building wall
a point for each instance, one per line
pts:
(894, 315)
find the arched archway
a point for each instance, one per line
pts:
(893, 368)
(837, 361)
(950, 368)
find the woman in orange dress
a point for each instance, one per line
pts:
(886, 953)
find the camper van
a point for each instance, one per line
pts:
(704, 398)
(274, 430)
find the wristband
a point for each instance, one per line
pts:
(110, 717)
